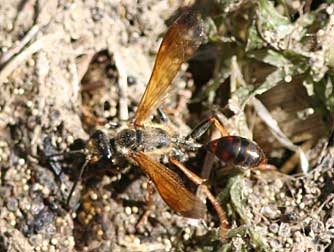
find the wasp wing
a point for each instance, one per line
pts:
(170, 187)
(181, 40)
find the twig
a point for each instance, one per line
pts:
(266, 117)
(83, 64)
(295, 158)
(123, 87)
(18, 59)
(26, 39)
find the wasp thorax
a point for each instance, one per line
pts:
(127, 138)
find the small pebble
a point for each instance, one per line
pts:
(93, 196)
(128, 210)
(284, 230)
(135, 209)
(274, 228)
(100, 232)
(136, 241)
(12, 204)
(21, 161)
(54, 241)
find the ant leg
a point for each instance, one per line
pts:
(201, 128)
(224, 226)
(149, 203)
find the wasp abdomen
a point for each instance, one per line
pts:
(237, 150)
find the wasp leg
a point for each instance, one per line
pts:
(162, 116)
(82, 170)
(265, 167)
(201, 128)
(149, 203)
(224, 225)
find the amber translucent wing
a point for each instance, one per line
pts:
(181, 40)
(170, 187)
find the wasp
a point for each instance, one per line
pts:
(142, 141)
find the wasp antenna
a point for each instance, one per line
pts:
(83, 168)
(65, 153)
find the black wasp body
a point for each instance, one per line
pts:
(147, 139)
